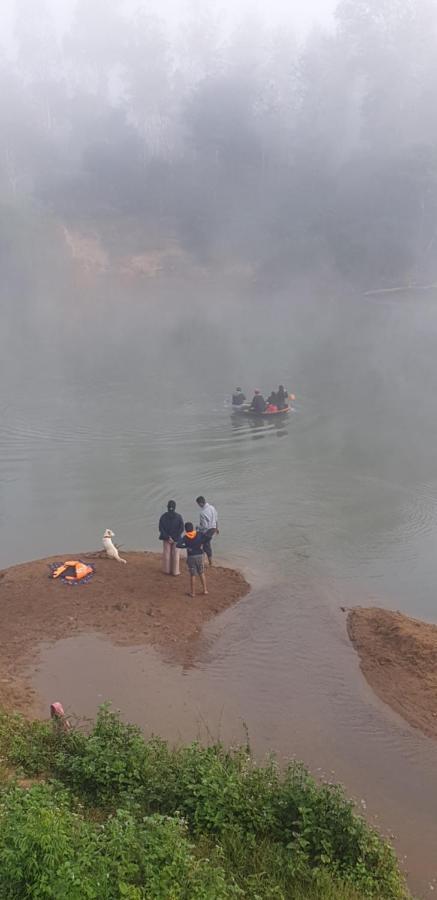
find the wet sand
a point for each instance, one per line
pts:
(133, 604)
(398, 656)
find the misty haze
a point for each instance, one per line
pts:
(196, 196)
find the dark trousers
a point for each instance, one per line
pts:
(207, 542)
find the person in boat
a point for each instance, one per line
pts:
(192, 542)
(238, 398)
(272, 403)
(171, 529)
(282, 397)
(258, 404)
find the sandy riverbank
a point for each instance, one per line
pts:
(132, 604)
(398, 657)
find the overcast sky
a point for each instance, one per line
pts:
(301, 15)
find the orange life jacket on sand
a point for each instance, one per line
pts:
(81, 570)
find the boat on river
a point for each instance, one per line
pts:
(267, 414)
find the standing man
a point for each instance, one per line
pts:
(192, 542)
(282, 397)
(208, 525)
(171, 529)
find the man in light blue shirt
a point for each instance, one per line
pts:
(208, 525)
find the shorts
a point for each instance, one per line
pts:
(196, 565)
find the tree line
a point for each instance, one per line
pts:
(240, 143)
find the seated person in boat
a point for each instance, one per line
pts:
(272, 403)
(238, 398)
(258, 404)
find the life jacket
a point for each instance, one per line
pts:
(76, 569)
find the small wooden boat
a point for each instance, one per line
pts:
(250, 413)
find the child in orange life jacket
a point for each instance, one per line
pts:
(192, 542)
(272, 403)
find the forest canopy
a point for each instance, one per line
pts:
(243, 142)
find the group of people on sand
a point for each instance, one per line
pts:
(277, 401)
(177, 535)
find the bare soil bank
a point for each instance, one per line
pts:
(132, 604)
(398, 656)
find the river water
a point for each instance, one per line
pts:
(337, 506)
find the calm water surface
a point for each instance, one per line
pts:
(336, 506)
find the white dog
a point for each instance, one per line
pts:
(111, 549)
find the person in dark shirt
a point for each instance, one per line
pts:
(171, 529)
(192, 542)
(282, 397)
(238, 398)
(258, 404)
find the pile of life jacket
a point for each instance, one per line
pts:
(73, 571)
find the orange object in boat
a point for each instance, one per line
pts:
(80, 570)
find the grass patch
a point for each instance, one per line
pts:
(124, 817)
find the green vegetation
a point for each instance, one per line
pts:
(108, 815)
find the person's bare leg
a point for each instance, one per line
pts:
(208, 552)
(192, 585)
(203, 580)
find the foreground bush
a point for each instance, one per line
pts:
(134, 818)
(48, 850)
